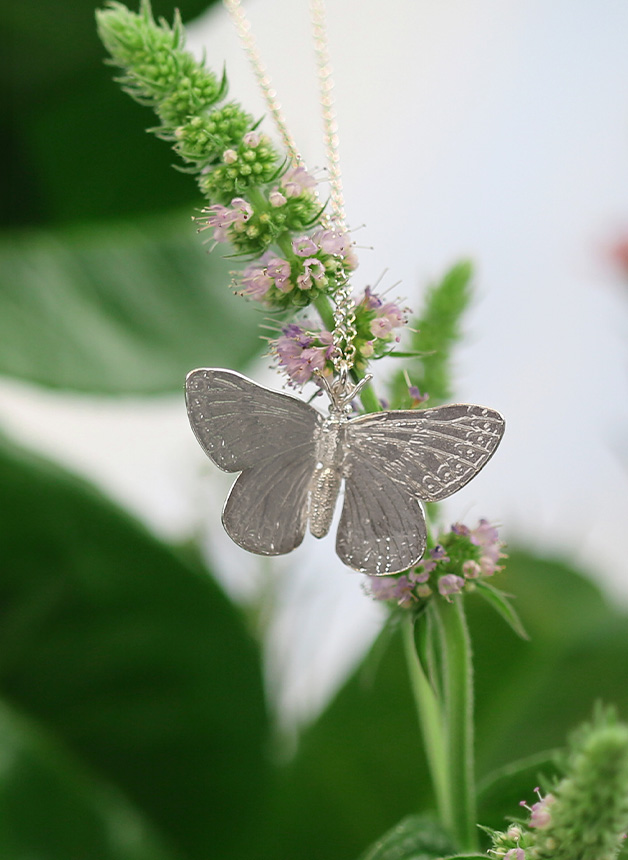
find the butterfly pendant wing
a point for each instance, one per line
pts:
(389, 461)
(395, 459)
(268, 436)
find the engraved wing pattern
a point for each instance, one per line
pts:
(271, 438)
(432, 452)
(382, 527)
(390, 462)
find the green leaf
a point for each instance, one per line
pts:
(416, 837)
(52, 808)
(76, 145)
(129, 308)
(499, 601)
(466, 857)
(500, 792)
(132, 658)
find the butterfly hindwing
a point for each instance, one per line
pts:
(267, 509)
(432, 452)
(271, 438)
(382, 527)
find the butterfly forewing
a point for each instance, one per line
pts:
(271, 438)
(382, 527)
(238, 423)
(432, 452)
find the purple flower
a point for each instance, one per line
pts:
(276, 198)
(515, 854)
(313, 271)
(256, 282)
(304, 246)
(471, 569)
(296, 181)
(219, 218)
(300, 354)
(242, 210)
(279, 271)
(371, 301)
(332, 241)
(439, 553)
(252, 139)
(486, 537)
(540, 815)
(450, 584)
(397, 588)
(387, 316)
(461, 529)
(416, 395)
(419, 574)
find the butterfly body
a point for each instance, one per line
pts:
(294, 461)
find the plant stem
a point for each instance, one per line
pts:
(367, 395)
(431, 721)
(458, 704)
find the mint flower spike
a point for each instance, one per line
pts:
(588, 816)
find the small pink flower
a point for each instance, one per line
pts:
(242, 210)
(368, 349)
(276, 199)
(279, 271)
(332, 241)
(313, 271)
(230, 156)
(397, 588)
(540, 816)
(256, 282)
(450, 584)
(416, 395)
(304, 246)
(515, 854)
(252, 139)
(296, 181)
(471, 569)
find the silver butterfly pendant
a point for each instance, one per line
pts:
(294, 460)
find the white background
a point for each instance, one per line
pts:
(491, 130)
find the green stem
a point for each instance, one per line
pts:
(367, 395)
(431, 721)
(458, 700)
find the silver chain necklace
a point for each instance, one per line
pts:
(293, 460)
(344, 331)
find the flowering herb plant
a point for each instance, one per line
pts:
(266, 213)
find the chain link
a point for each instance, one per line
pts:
(344, 332)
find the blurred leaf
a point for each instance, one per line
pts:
(416, 837)
(499, 601)
(364, 753)
(131, 657)
(51, 808)
(74, 147)
(466, 857)
(500, 792)
(129, 308)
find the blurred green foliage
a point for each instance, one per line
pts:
(132, 715)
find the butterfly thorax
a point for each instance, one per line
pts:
(327, 477)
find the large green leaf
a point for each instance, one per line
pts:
(131, 657)
(73, 144)
(51, 808)
(119, 309)
(416, 837)
(360, 768)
